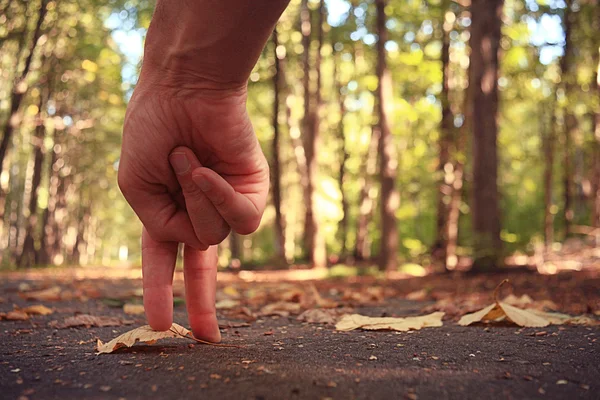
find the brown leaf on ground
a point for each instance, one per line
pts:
(356, 321)
(50, 294)
(531, 318)
(226, 304)
(88, 321)
(149, 336)
(318, 316)
(133, 309)
(38, 309)
(143, 334)
(281, 308)
(15, 315)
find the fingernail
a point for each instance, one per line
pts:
(202, 183)
(180, 163)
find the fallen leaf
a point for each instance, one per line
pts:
(133, 309)
(226, 304)
(317, 316)
(520, 302)
(282, 308)
(531, 318)
(356, 321)
(51, 294)
(149, 336)
(143, 334)
(38, 309)
(15, 315)
(88, 321)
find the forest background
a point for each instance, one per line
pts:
(406, 134)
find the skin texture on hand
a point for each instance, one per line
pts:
(192, 169)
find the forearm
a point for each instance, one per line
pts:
(208, 42)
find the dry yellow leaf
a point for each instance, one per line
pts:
(282, 308)
(51, 294)
(530, 318)
(143, 334)
(356, 321)
(226, 304)
(15, 315)
(133, 309)
(38, 309)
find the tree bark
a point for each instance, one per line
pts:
(314, 240)
(19, 88)
(596, 173)
(390, 197)
(486, 16)
(548, 142)
(569, 120)
(362, 249)
(48, 234)
(445, 167)
(278, 84)
(29, 253)
(343, 225)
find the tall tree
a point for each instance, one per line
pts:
(314, 240)
(569, 120)
(390, 197)
(344, 155)
(278, 83)
(596, 173)
(548, 144)
(29, 254)
(486, 16)
(19, 87)
(447, 136)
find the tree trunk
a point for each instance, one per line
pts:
(19, 88)
(278, 84)
(48, 233)
(445, 170)
(548, 139)
(596, 173)
(390, 197)
(29, 254)
(343, 225)
(362, 249)
(569, 120)
(486, 17)
(315, 241)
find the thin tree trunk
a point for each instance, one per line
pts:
(596, 173)
(445, 172)
(28, 255)
(306, 29)
(343, 225)
(278, 84)
(390, 197)
(48, 233)
(569, 120)
(365, 201)
(314, 236)
(548, 139)
(19, 88)
(486, 17)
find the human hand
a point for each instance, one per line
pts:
(192, 169)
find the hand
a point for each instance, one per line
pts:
(192, 169)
